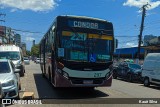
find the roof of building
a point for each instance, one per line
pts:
(131, 50)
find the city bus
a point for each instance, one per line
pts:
(77, 51)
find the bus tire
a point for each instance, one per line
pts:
(49, 74)
(90, 88)
(43, 75)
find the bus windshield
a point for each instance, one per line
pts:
(87, 47)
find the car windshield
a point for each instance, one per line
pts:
(4, 67)
(10, 55)
(134, 66)
(25, 58)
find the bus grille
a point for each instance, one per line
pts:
(80, 80)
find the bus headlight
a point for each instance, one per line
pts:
(65, 74)
(60, 71)
(108, 75)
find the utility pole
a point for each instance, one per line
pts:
(141, 29)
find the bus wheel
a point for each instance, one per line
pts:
(43, 75)
(49, 74)
(90, 88)
(146, 81)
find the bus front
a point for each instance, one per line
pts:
(84, 52)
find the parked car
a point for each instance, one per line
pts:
(26, 60)
(151, 69)
(37, 60)
(1, 92)
(129, 71)
(15, 54)
(10, 79)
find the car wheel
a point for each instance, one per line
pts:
(22, 74)
(146, 82)
(130, 77)
(19, 85)
(18, 97)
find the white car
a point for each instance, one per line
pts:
(26, 60)
(37, 60)
(10, 79)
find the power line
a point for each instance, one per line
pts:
(27, 31)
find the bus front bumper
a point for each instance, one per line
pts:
(61, 81)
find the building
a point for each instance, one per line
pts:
(33, 43)
(23, 47)
(12, 39)
(129, 53)
(10, 35)
(147, 38)
(153, 46)
(3, 37)
(17, 38)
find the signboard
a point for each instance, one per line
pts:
(86, 24)
(79, 36)
(78, 55)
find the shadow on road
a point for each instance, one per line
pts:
(125, 80)
(46, 90)
(153, 87)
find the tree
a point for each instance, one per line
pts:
(28, 53)
(35, 50)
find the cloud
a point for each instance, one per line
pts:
(131, 45)
(34, 5)
(140, 3)
(13, 10)
(30, 39)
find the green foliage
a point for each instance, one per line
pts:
(35, 50)
(28, 53)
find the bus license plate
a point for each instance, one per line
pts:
(88, 82)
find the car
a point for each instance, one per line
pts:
(15, 54)
(9, 79)
(129, 71)
(1, 92)
(37, 60)
(151, 69)
(26, 60)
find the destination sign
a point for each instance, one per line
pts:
(85, 24)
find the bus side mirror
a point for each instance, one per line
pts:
(115, 44)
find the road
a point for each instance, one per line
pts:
(34, 82)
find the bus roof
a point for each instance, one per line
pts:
(84, 17)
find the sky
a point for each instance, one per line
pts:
(35, 16)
